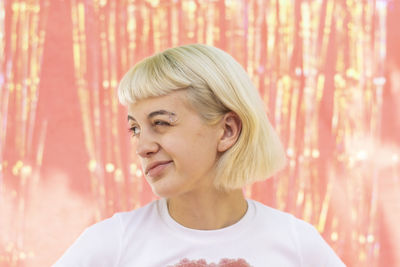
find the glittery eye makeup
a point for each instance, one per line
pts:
(171, 115)
(171, 118)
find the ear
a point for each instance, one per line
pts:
(231, 127)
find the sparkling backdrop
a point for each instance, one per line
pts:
(327, 70)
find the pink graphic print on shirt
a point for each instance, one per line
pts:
(203, 263)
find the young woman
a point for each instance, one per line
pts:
(202, 134)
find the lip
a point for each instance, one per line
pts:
(155, 164)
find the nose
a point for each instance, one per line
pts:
(146, 146)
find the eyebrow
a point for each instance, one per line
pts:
(155, 113)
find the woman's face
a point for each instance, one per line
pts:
(177, 149)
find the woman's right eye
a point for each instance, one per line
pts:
(134, 130)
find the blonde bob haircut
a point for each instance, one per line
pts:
(215, 84)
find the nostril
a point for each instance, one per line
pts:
(147, 149)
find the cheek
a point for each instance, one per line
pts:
(193, 149)
(141, 164)
(203, 149)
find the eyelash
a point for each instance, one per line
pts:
(156, 123)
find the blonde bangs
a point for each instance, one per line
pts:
(154, 76)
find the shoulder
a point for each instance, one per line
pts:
(270, 217)
(117, 225)
(138, 216)
(284, 221)
(314, 250)
(102, 243)
(297, 234)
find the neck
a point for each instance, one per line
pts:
(208, 210)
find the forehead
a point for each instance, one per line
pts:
(174, 102)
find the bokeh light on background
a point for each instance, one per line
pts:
(328, 71)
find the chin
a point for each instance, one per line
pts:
(163, 191)
(167, 186)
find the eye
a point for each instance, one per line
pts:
(161, 123)
(134, 130)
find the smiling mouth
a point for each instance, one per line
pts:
(158, 169)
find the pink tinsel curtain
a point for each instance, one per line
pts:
(328, 71)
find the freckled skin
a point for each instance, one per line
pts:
(189, 142)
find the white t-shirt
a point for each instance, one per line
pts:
(149, 237)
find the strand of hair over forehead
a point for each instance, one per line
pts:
(159, 75)
(154, 76)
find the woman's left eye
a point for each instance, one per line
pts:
(158, 122)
